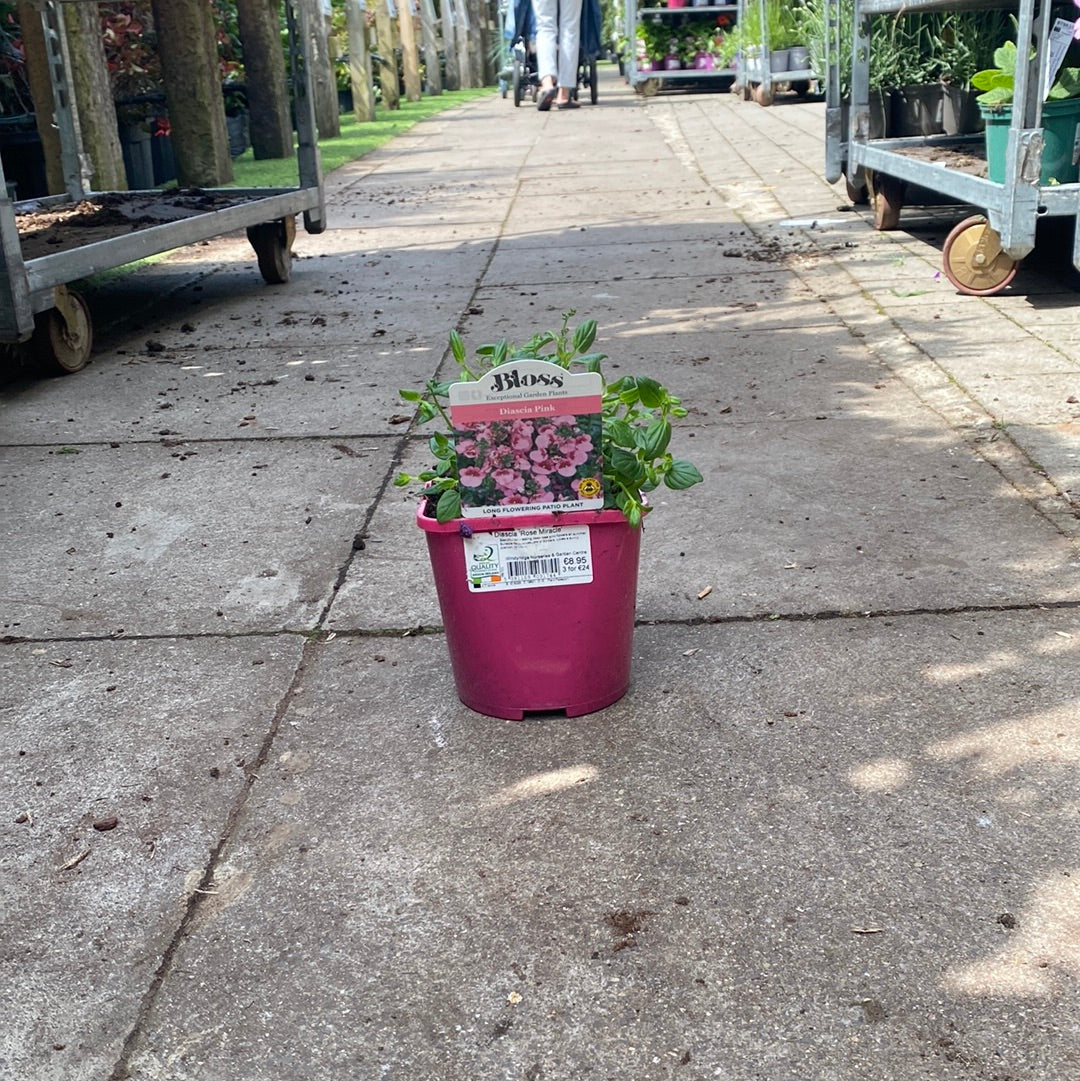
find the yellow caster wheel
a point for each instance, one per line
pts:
(974, 261)
(63, 335)
(888, 200)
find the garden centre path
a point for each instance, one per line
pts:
(830, 833)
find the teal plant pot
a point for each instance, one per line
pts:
(1061, 141)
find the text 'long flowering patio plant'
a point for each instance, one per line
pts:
(621, 452)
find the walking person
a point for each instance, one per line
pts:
(558, 43)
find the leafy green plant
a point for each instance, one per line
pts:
(997, 83)
(635, 422)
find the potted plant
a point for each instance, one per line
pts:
(1060, 118)
(536, 567)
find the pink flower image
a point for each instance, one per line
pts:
(523, 461)
(506, 480)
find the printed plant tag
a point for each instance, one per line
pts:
(528, 558)
(527, 437)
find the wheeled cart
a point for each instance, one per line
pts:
(761, 71)
(647, 77)
(36, 304)
(982, 253)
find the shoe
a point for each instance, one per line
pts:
(568, 104)
(546, 98)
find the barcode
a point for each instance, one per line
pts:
(530, 568)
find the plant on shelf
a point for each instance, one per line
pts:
(653, 38)
(635, 433)
(997, 83)
(963, 42)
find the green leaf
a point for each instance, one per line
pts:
(449, 506)
(654, 439)
(651, 392)
(410, 395)
(1005, 57)
(584, 336)
(441, 446)
(620, 433)
(592, 361)
(629, 392)
(627, 465)
(1067, 84)
(402, 480)
(502, 353)
(999, 95)
(682, 474)
(457, 347)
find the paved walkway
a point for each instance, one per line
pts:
(831, 833)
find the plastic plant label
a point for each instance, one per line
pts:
(529, 558)
(528, 438)
(1061, 37)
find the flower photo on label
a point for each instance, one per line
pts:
(529, 460)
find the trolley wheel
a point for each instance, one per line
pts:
(593, 83)
(856, 193)
(761, 95)
(63, 335)
(801, 87)
(888, 201)
(518, 94)
(648, 88)
(973, 259)
(273, 241)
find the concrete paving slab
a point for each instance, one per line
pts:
(179, 537)
(121, 763)
(729, 873)
(674, 308)
(933, 527)
(515, 264)
(256, 392)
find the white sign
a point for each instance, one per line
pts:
(528, 558)
(1060, 39)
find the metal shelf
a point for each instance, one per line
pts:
(637, 78)
(690, 9)
(880, 168)
(34, 300)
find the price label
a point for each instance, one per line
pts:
(528, 558)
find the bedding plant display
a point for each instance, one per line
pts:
(532, 507)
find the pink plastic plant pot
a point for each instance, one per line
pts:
(562, 648)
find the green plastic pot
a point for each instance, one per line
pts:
(1061, 141)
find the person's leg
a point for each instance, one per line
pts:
(547, 18)
(569, 46)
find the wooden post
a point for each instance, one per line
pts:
(360, 61)
(478, 41)
(448, 22)
(431, 47)
(410, 54)
(384, 43)
(463, 32)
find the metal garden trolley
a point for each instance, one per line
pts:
(36, 304)
(757, 76)
(982, 252)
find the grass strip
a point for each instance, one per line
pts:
(357, 139)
